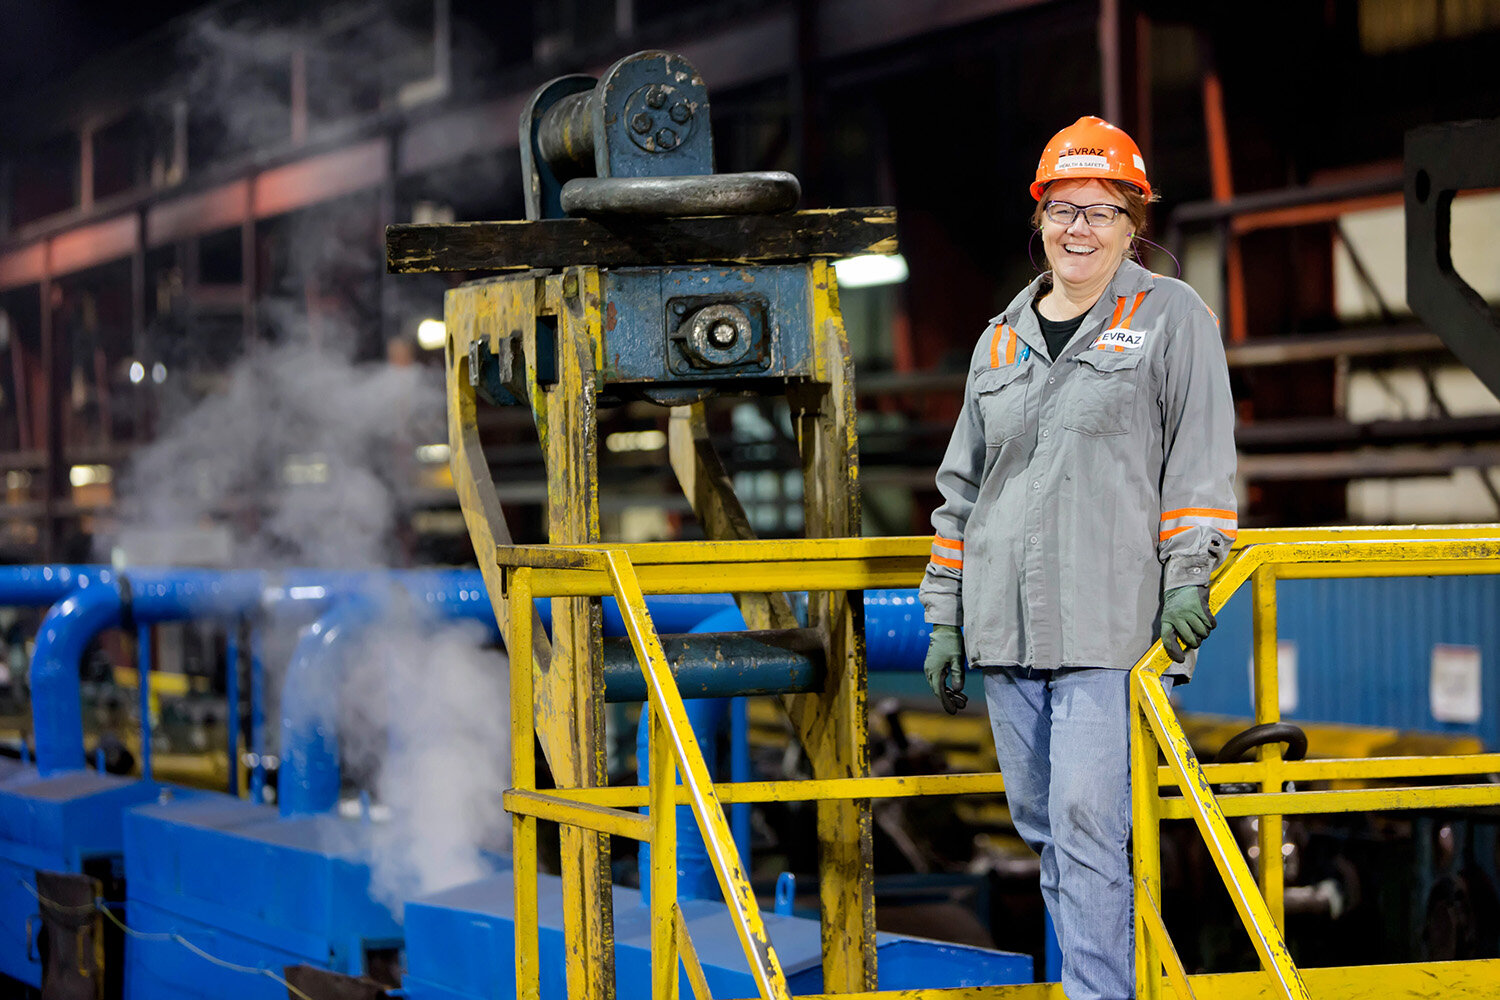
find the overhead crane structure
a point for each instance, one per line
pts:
(641, 274)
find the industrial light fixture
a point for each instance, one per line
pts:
(648, 440)
(868, 270)
(158, 373)
(88, 475)
(137, 372)
(433, 454)
(431, 334)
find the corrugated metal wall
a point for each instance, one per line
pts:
(1364, 651)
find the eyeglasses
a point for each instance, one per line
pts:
(1097, 216)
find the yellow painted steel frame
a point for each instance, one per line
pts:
(557, 698)
(550, 328)
(1154, 728)
(628, 572)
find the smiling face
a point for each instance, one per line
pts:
(1083, 258)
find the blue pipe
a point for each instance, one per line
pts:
(37, 586)
(143, 691)
(311, 776)
(309, 779)
(895, 634)
(695, 872)
(69, 626)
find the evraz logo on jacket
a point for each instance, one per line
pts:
(1118, 336)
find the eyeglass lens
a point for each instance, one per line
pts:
(1063, 213)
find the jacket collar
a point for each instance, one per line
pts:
(1130, 279)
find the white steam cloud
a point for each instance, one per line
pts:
(430, 716)
(302, 454)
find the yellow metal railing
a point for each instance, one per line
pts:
(1155, 728)
(628, 572)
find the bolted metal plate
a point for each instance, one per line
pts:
(696, 326)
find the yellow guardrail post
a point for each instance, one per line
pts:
(663, 778)
(1264, 934)
(1145, 796)
(523, 778)
(1268, 709)
(677, 731)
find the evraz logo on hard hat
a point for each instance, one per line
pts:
(1089, 160)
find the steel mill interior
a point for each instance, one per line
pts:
(581, 499)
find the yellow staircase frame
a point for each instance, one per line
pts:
(629, 572)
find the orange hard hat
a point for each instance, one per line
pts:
(1091, 148)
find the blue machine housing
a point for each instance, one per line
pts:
(460, 945)
(251, 888)
(646, 310)
(69, 822)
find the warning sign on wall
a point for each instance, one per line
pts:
(1455, 689)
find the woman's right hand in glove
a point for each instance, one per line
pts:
(944, 667)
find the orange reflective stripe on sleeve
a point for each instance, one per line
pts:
(1227, 515)
(1119, 310)
(1174, 522)
(953, 561)
(995, 345)
(1230, 532)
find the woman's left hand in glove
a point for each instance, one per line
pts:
(1185, 618)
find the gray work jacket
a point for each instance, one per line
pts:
(1076, 491)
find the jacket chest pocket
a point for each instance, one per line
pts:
(1103, 391)
(1001, 395)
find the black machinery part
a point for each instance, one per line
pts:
(1242, 743)
(1442, 161)
(761, 192)
(565, 134)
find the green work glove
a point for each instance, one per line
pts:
(945, 664)
(1185, 618)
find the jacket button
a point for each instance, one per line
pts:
(1033, 539)
(1037, 485)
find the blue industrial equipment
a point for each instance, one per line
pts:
(56, 816)
(138, 597)
(41, 586)
(252, 889)
(460, 945)
(62, 823)
(1363, 652)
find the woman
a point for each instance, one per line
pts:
(1088, 493)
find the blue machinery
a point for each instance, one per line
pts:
(300, 887)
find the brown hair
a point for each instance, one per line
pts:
(1135, 204)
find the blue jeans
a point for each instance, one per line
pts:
(1062, 737)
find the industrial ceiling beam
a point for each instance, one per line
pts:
(752, 50)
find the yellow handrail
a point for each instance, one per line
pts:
(628, 572)
(1155, 726)
(670, 725)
